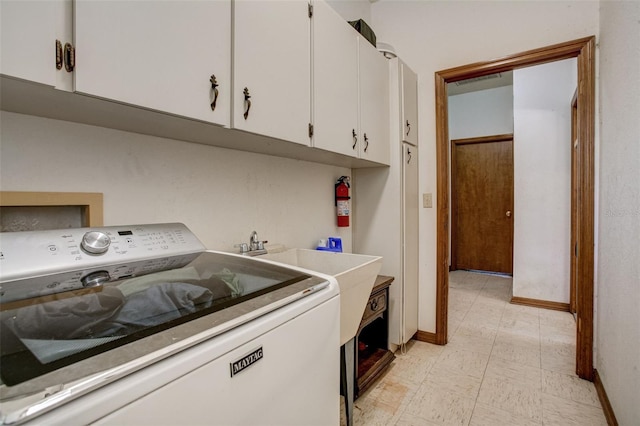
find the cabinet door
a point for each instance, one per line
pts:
(374, 104)
(409, 105)
(28, 33)
(156, 54)
(410, 202)
(271, 59)
(335, 82)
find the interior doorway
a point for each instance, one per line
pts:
(482, 204)
(584, 51)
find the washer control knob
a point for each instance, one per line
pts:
(95, 242)
(95, 279)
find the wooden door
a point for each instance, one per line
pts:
(482, 204)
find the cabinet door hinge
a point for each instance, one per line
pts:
(310, 130)
(310, 10)
(58, 55)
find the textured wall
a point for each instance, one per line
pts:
(618, 273)
(221, 195)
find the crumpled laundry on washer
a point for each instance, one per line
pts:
(216, 282)
(108, 312)
(157, 305)
(66, 317)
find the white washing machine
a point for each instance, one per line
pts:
(142, 325)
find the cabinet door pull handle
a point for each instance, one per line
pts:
(409, 155)
(58, 55)
(247, 102)
(355, 138)
(366, 142)
(408, 127)
(374, 305)
(69, 57)
(214, 87)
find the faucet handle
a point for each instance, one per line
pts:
(244, 248)
(254, 241)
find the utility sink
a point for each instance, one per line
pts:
(355, 273)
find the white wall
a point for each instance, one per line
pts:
(352, 10)
(482, 113)
(542, 180)
(221, 195)
(618, 276)
(435, 35)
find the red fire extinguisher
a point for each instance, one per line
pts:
(342, 200)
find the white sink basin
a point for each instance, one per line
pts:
(355, 273)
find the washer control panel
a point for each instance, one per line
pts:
(36, 253)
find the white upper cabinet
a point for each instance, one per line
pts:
(28, 34)
(374, 104)
(335, 82)
(271, 63)
(409, 82)
(350, 90)
(175, 61)
(169, 56)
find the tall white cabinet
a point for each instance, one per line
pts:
(386, 203)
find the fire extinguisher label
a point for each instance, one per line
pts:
(343, 208)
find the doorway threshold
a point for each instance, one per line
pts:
(497, 274)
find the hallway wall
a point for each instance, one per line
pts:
(618, 275)
(542, 183)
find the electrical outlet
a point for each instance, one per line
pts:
(427, 200)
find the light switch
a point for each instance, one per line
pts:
(427, 200)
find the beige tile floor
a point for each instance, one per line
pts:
(504, 365)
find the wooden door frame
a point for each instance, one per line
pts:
(584, 50)
(454, 204)
(574, 202)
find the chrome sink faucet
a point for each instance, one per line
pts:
(255, 246)
(255, 243)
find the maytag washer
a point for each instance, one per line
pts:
(141, 325)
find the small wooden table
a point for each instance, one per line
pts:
(365, 357)
(372, 354)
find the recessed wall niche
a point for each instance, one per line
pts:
(37, 211)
